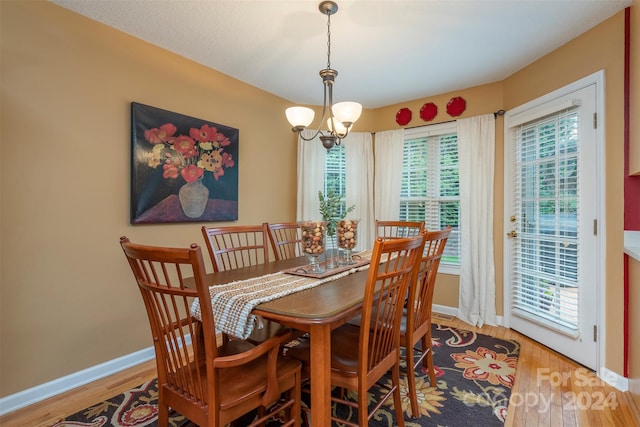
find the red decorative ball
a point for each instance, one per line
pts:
(428, 111)
(403, 116)
(456, 106)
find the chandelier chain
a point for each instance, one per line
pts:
(329, 41)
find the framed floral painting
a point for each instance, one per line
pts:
(183, 169)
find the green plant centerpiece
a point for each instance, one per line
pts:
(330, 210)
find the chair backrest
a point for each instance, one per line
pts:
(237, 246)
(193, 372)
(286, 240)
(384, 299)
(421, 290)
(161, 276)
(396, 229)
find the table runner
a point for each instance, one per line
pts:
(233, 302)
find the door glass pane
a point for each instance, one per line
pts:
(546, 254)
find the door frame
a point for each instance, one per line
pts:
(596, 78)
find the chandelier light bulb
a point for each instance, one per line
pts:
(339, 130)
(347, 112)
(299, 116)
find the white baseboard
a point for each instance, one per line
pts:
(444, 309)
(614, 379)
(69, 382)
(453, 311)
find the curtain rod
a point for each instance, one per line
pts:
(495, 116)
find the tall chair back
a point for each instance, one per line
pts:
(194, 374)
(416, 324)
(286, 240)
(237, 246)
(396, 229)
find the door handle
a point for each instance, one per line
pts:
(512, 233)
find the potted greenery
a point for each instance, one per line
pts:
(546, 299)
(331, 214)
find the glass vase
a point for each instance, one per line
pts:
(331, 252)
(347, 232)
(313, 235)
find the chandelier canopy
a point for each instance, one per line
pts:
(342, 115)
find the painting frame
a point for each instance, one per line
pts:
(183, 169)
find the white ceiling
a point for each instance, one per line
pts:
(385, 51)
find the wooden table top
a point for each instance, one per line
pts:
(321, 304)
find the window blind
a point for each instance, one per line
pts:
(335, 174)
(546, 257)
(430, 184)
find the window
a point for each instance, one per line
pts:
(335, 174)
(430, 185)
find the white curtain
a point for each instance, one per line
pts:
(388, 173)
(476, 148)
(358, 152)
(311, 159)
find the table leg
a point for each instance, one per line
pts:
(320, 375)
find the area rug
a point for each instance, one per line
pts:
(474, 376)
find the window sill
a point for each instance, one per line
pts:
(449, 269)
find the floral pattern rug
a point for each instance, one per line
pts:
(474, 376)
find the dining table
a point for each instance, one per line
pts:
(316, 310)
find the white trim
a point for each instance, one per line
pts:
(601, 200)
(613, 379)
(52, 388)
(444, 309)
(453, 311)
(541, 110)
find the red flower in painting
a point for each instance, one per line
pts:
(185, 146)
(189, 156)
(160, 135)
(170, 169)
(191, 173)
(204, 134)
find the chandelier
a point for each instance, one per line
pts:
(342, 115)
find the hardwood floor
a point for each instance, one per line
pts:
(550, 390)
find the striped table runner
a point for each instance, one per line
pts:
(233, 302)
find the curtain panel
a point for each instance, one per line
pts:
(476, 156)
(389, 151)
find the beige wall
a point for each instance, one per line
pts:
(67, 298)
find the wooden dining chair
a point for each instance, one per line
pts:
(416, 317)
(211, 385)
(237, 246)
(286, 240)
(395, 229)
(361, 356)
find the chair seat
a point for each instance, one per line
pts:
(344, 351)
(251, 380)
